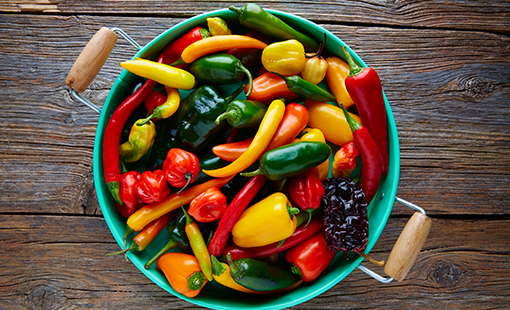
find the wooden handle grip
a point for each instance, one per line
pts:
(91, 59)
(408, 246)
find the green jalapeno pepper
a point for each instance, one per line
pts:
(291, 159)
(243, 113)
(305, 89)
(261, 276)
(219, 69)
(193, 126)
(256, 18)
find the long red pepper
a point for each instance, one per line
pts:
(119, 117)
(370, 158)
(364, 87)
(301, 233)
(234, 210)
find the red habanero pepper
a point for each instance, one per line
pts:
(113, 130)
(310, 257)
(181, 168)
(345, 160)
(268, 87)
(209, 206)
(232, 213)
(370, 158)
(364, 87)
(306, 190)
(300, 234)
(152, 186)
(127, 193)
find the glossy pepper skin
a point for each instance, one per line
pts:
(217, 26)
(141, 139)
(268, 87)
(291, 159)
(243, 113)
(208, 161)
(267, 221)
(221, 273)
(305, 89)
(310, 257)
(168, 246)
(337, 72)
(181, 168)
(209, 206)
(154, 100)
(306, 191)
(127, 193)
(250, 57)
(164, 109)
(316, 66)
(286, 57)
(315, 134)
(267, 128)
(371, 167)
(364, 86)
(152, 186)
(173, 52)
(198, 245)
(182, 272)
(256, 18)
(193, 126)
(345, 160)
(219, 69)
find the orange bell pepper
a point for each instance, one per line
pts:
(182, 272)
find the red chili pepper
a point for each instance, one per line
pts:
(345, 160)
(231, 151)
(370, 158)
(119, 117)
(306, 190)
(301, 233)
(181, 168)
(310, 257)
(209, 206)
(154, 100)
(364, 87)
(127, 193)
(232, 213)
(152, 186)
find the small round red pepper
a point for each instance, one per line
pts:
(152, 186)
(181, 168)
(209, 206)
(127, 193)
(306, 190)
(345, 160)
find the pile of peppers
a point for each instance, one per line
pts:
(237, 178)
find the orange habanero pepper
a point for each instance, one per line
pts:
(182, 272)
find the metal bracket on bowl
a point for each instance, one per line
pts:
(76, 95)
(422, 233)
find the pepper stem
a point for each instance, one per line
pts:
(217, 268)
(354, 124)
(189, 220)
(378, 263)
(250, 79)
(235, 9)
(148, 119)
(204, 33)
(179, 62)
(252, 173)
(132, 247)
(128, 232)
(292, 210)
(170, 245)
(196, 281)
(355, 69)
(235, 94)
(310, 213)
(188, 177)
(321, 48)
(290, 83)
(232, 116)
(295, 270)
(114, 189)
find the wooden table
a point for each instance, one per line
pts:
(444, 65)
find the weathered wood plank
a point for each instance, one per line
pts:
(58, 262)
(454, 14)
(449, 102)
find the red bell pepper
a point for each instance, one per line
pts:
(152, 186)
(181, 168)
(345, 160)
(209, 206)
(127, 193)
(306, 190)
(364, 87)
(310, 257)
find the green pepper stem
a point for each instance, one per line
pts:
(236, 9)
(321, 48)
(235, 94)
(310, 213)
(132, 247)
(232, 116)
(217, 268)
(204, 33)
(179, 62)
(292, 210)
(290, 82)
(127, 232)
(296, 270)
(170, 245)
(354, 124)
(189, 220)
(250, 79)
(196, 280)
(252, 173)
(188, 177)
(114, 189)
(155, 114)
(355, 69)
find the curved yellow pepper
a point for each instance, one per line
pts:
(270, 220)
(141, 139)
(221, 273)
(286, 57)
(315, 134)
(161, 73)
(337, 71)
(265, 133)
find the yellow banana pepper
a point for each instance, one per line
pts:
(270, 220)
(315, 134)
(161, 73)
(286, 57)
(265, 133)
(221, 273)
(141, 139)
(336, 73)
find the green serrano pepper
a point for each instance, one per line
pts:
(305, 89)
(291, 159)
(243, 113)
(261, 276)
(256, 18)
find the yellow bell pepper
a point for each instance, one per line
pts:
(141, 139)
(270, 220)
(286, 57)
(315, 134)
(161, 73)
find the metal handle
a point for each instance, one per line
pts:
(91, 60)
(408, 246)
